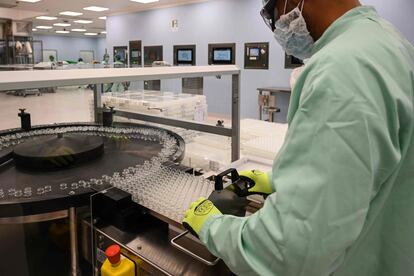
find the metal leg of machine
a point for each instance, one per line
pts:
(73, 242)
(235, 118)
(97, 102)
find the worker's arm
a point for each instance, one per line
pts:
(337, 153)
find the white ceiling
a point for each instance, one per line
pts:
(54, 7)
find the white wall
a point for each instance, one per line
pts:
(69, 47)
(398, 12)
(211, 22)
(100, 48)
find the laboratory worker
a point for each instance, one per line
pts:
(341, 192)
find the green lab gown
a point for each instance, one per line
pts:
(344, 179)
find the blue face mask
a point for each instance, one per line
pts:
(293, 35)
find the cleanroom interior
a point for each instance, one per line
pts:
(150, 94)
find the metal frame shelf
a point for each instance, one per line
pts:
(10, 80)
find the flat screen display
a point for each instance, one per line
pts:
(254, 52)
(222, 55)
(185, 56)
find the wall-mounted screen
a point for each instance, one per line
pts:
(185, 56)
(151, 54)
(222, 55)
(121, 54)
(135, 53)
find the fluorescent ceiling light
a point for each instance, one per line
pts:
(61, 24)
(46, 17)
(62, 32)
(30, 1)
(95, 9)
(102, 17)
(90, 34)
(44, 27)
(145, 1)
(103, 32)
(71, 13)
(83, 21)
(78, 30)
(34, 30)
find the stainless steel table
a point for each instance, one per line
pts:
(268, 102)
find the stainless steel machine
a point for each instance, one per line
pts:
(267, 100)
(104, 183)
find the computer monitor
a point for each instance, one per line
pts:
(254, 52)
(222, 55)
(185, 56)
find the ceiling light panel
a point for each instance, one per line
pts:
(61, 24)
(78, 30)
(91, 34)
(144, 1)
(62, 32)
(95, 9)
(71, 13)
(103, 32)
(46, 17)
(83, 21)
(44, 27)
(30, 1)
(103, 17)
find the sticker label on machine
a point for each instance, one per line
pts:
(100, 255)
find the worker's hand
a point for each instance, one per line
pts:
(196, 216)
(261, 182)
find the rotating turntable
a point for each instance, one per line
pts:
(57, 152)
(50, 168)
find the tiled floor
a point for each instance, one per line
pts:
(67, 105)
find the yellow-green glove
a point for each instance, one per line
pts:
(196, 216)
(261, 182)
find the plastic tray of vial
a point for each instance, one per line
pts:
(185, 106)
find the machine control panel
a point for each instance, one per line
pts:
(219, 54)
(256, 55)
(185, 55)
(151, 54)
(135, 53)
(121, 54)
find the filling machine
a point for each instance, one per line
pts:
(114, 183)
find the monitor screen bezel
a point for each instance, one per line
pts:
(184, 61)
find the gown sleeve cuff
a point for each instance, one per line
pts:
(270, 177)
(206, 226)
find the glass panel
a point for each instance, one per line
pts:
(49, 105)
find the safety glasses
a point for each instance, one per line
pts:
(268, 14)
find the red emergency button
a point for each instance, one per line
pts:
(113, 253)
